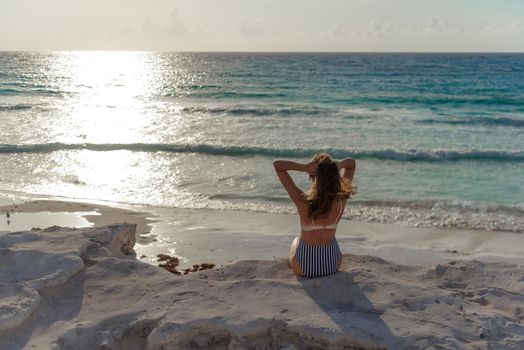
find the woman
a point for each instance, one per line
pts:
(316, 252)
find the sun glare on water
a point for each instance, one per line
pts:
(106, 95)
(109, 98)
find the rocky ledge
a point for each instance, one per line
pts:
(83, 289)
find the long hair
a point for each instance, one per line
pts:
(326, 185)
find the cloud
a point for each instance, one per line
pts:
(435, 24)
(253, 28)
(462, 30)
(173, 27)
(515, 27)
(149, 27)
(340, 30)
(375, 28)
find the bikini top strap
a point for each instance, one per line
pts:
(338, 217)
(341, 210)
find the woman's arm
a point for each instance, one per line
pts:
(287, 165)
(349, 165)
(283, 166)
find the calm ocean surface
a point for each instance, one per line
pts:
(438, 138)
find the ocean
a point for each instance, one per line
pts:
(438, 138)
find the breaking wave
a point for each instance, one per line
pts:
(385, 154)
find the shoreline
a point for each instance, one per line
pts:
(223, 237)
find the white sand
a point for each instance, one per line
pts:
(88, 292)
(225, 236)
(71, 289)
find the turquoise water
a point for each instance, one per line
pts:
(438, 137)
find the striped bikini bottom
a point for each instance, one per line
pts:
(318, 260)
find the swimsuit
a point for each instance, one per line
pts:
(319, 260)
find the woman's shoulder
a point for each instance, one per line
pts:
(302, 205)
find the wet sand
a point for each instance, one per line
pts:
(225, 236)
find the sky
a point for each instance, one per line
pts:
(263, 25)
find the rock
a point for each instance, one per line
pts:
(82, 289)
(17, 303)
(118, 239)
(30, 263)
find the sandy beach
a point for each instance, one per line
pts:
(399, 287)
(225, 236)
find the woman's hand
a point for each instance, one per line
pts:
(346, 163)
(349, 165)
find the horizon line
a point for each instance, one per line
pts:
(271, 52)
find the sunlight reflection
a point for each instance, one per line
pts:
(108, 93)
(116, 172)
(122, 176)
(127, 98)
